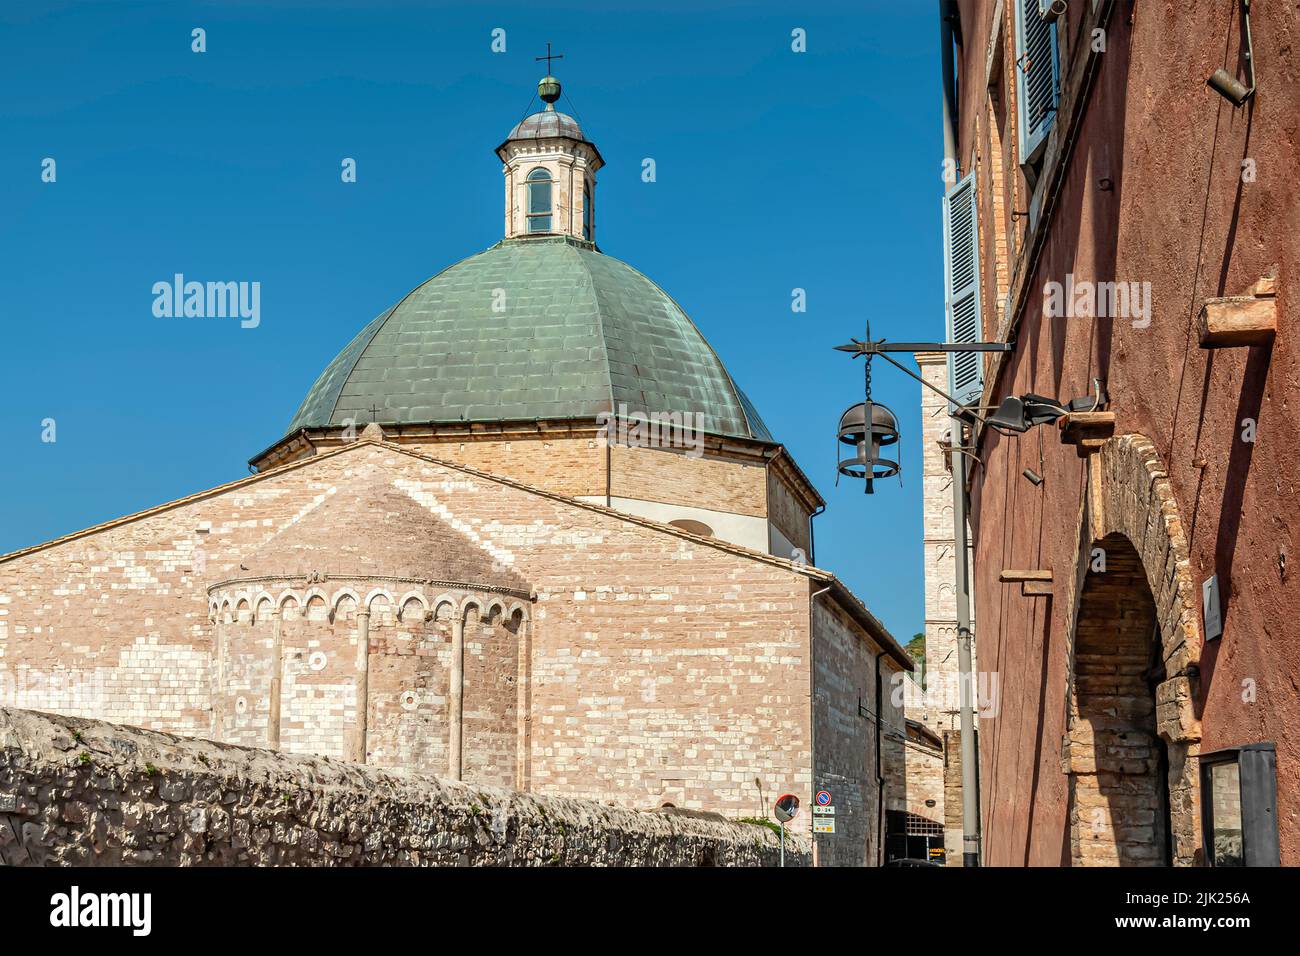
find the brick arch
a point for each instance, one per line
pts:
(1144, 600)
(1130, 494)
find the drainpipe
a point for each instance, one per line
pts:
(947, 11)
(812, 703)
(812, 536)
(970, 819)
(970, 797)
(880, 777)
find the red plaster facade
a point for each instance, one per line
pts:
(1147, 176)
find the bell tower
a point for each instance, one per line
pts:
(550, 171)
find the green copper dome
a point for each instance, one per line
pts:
(529, 329)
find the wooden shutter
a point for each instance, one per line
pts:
(1038, 79)
(961, 289)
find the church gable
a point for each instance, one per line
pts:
(367, 526)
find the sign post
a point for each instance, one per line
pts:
(823, 813)
(785, 810)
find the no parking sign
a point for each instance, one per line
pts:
(823, 813)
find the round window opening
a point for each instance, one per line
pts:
(694, 527)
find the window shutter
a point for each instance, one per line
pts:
(961, 289)
(1038, 80)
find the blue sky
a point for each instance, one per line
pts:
(775, 170)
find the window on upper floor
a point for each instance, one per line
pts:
(1038, 77)
(539, 201)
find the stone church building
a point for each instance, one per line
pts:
(445, 566)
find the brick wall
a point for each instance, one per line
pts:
(652, 474)
(570, 466)
(410, 667)
(789, 516)
(923, 766)
(942, 675)
(953, 827)
(491, 701)
(662, 669)
(846, 712)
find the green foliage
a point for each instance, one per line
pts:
(759, 822)
(916, 648)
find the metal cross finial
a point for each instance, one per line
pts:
(549, 57)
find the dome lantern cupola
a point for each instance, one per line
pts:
(550, 172)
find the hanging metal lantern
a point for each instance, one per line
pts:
(866, 461)
(868, 427)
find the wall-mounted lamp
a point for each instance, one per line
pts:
(1239, 806)
(1225, 83)
(1019, 413)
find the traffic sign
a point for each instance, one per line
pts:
(823, 798)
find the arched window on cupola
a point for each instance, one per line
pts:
(586, 212)
(539, 201)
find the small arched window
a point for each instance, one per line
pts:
(587, 216)
(539, 201)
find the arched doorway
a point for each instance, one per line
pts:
(1135, 647)
(1118, 762)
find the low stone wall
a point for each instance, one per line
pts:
(85, 792)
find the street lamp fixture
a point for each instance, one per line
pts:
(866, 461)
(869, 427)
